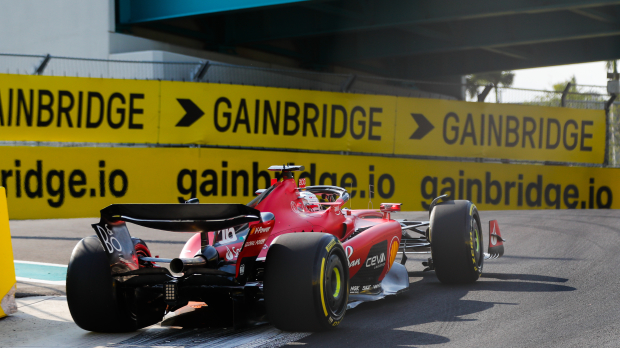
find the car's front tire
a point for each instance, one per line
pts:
(456, 242)
(306, 282)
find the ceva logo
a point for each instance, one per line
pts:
(376, 260)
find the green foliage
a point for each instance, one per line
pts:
(474, 81)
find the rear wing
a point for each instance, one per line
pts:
(181, 217)
(116, 240)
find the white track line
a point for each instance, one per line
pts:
(41, 263)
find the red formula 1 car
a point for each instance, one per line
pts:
(293, 256)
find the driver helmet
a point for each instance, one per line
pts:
(310, 201)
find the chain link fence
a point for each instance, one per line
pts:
(579, 96)
(613, 157)
(576, 96)
(210, 72)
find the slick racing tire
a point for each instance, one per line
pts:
(95, 301)
(456, 242)
(306, 282)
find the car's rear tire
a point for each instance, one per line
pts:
(456, 242)
(306, 282)
(95, 301)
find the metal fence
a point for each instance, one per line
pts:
(213, 72)
(581, 96)
(578, 96)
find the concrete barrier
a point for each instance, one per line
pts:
(7, 268)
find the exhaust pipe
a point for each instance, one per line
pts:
(209, 258)
(180, 265)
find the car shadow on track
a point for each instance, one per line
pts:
(526, 277)
(430, 312)
(540, 258)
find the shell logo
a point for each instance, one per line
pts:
(393, 251)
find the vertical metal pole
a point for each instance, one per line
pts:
(606, 159)
(612, 140)
(200, 71)
(608, 105)
(346, 85)
(39, 70)
(482, 96)
(563, 102)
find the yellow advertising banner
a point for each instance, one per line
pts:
(54, 182)
(73, 109)
(276, 118)
(69, 109)
(503, 131)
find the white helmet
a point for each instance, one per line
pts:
(310, 201)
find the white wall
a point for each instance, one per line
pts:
(82, 29)
(74, 28)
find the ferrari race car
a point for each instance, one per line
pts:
(294, 256)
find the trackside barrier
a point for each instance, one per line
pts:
(70, 182)
(71, 109)
(7, 268)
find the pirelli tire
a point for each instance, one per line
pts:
(456, 242)
(95, 301)
(306, 282)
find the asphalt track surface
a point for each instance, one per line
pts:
(557, 286)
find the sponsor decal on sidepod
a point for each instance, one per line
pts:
(349, 252)
(376, 261)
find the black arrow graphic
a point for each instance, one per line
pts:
(424, 126)
(192, 113)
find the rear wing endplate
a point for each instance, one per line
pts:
(496, 242)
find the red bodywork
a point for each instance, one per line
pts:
(371, 252)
